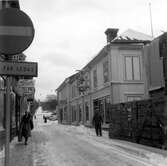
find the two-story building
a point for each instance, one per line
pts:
(117, 74)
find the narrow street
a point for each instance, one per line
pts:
(56, 145)
(53, 144)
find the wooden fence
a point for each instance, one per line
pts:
(140, 121)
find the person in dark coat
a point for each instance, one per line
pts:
(97, 122)
(45, 119)
(26, 126)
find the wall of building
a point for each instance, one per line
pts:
(154, 65)
(121, 86)
(117, 89)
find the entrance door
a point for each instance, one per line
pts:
(95, 105)
(101, 108)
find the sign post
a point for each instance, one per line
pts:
(16, 34)
(7, 123)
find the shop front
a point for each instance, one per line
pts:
(103, 105)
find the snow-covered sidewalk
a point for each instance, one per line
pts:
(155, 156)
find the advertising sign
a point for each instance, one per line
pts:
(25, 88)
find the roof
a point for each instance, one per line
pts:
(130, 36)
(102, 53)
(68, 79)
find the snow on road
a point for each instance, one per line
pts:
(78, 146)
(53, 144)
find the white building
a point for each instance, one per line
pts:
(117, 74)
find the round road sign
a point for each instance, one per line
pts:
(16, 31)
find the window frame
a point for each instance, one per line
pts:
(106, 63)
(132, 56)
(95, 80)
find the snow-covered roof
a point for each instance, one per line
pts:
(132, 35)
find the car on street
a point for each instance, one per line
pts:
(52, 117)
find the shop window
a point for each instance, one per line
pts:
(103, 106)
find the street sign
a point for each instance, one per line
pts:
(26, 83)
(16, 31)
(25, 87)
(19, 57)
(24, 91)
(18, 68)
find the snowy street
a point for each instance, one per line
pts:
(72, 146)
(53, 144)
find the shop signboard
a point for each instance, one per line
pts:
(18, 68)
(25, 87)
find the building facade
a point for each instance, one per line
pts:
(117, 74)
(155, 55)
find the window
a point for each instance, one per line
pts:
(1, 83)
(95, 78)
(87, 81)
(65, 113)
(103, 106)
(133, 98)
(132, 68)
(105, 72)
(73, 91)
(74, 116)
(107, 109)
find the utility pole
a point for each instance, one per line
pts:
(152, 34)
(7, 122)
(8, 4)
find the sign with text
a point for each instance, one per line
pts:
(18, 68)
(28, 91)
(26, 83)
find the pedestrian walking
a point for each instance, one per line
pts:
(45, 119)
(26, 126)
(97, 122)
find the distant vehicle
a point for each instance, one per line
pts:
(52, 117)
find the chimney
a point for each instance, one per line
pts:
(111, 33)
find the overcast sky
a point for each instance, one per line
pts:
(68, 33)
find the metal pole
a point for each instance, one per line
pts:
(151, 20)
(7, 123)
